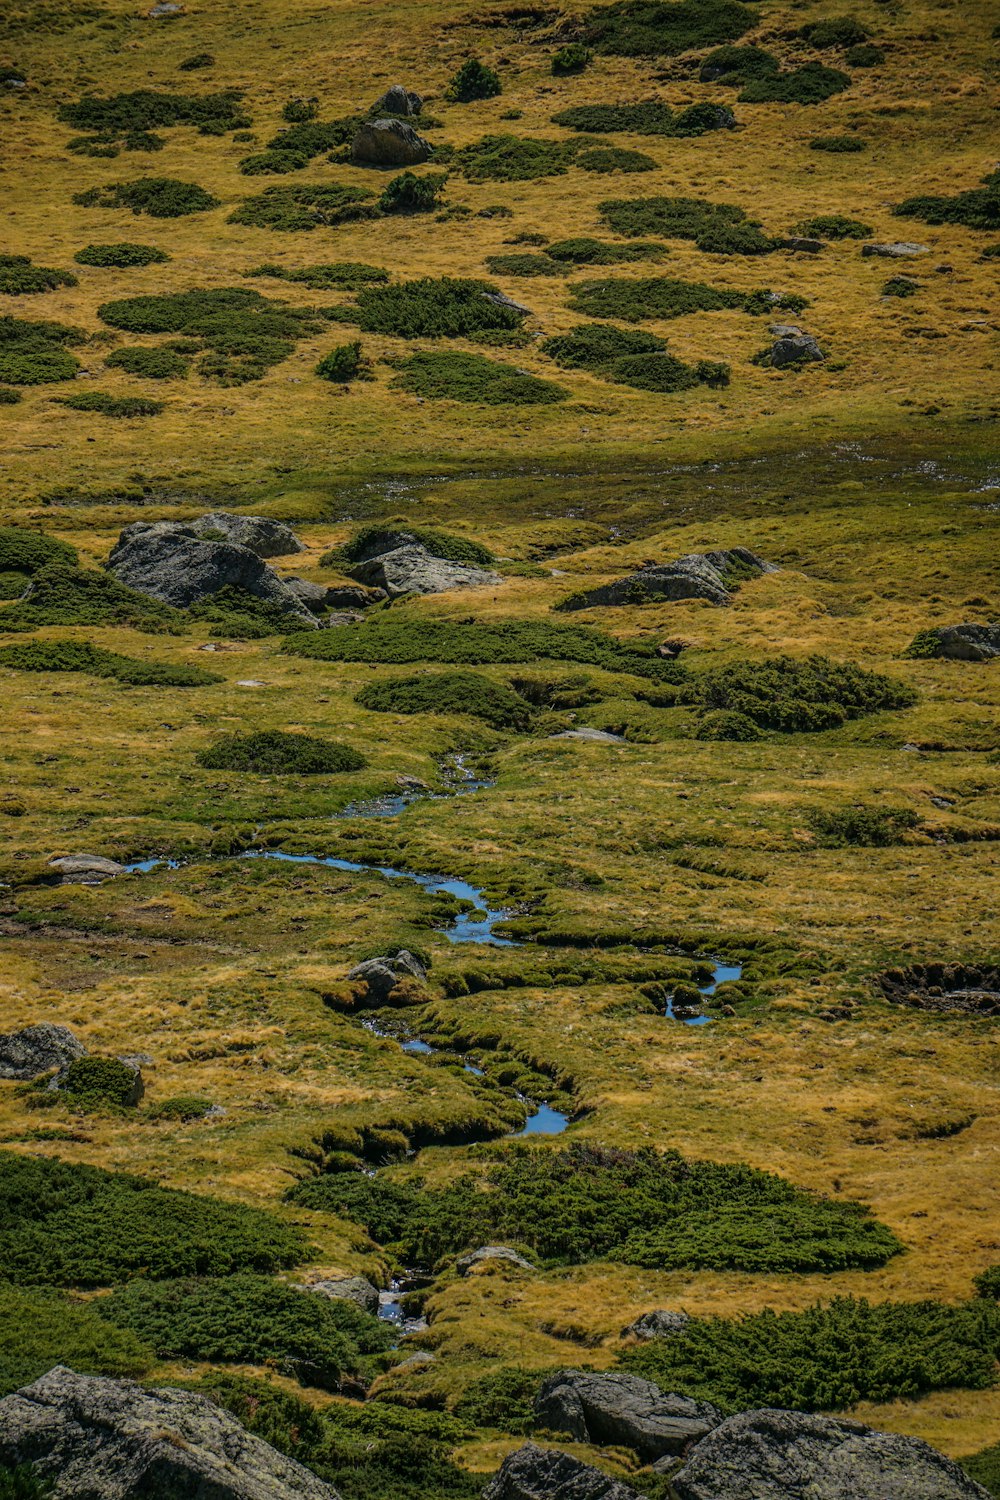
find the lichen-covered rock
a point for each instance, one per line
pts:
(380, 976)
(353, 596)
(772, 1455)
(260, 534)
(698, 575)
(486, 1253)
(898, 250)
(622, 1411)
(958, 642)
(38, 1049)
(795, 348)
(399, 100)
(85, 869)
(98, 1439)
(356, 1289)
(312, 595)
(389, 143)
(411, 569)
(661, 1323)
(534, 1473)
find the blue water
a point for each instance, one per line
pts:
(461, 781)
(545, 1121)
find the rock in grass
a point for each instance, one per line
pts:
(534, 1473)
(312, 595)
(623, 1411)
(661, 1323)
(37, 1049)
(772, 1454)
(465, 1263)
(380, 976)
(957, 642)
(399, 100)
(590, 735)
(89, 1436)
(356, 1289)
(411, 569)
(698, 575)
(793, 347)
(353, 596)
(85, 869)
(899, 250)
(389, 143)
(260, 534)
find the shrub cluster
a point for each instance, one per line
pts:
(62, 594)
(813, 83)
(649, 28)
(338, 275)
(450, 693)
(144, 110)
(410, 193)
(586, 1203)
(73, 1225)
(81, 656)
(584, 251)
(196, 62)
(19, 277)
(900, 286)
(861, 827)
(514, 158)
(473, 379)
(572, 58)
(445, 307)
(236, 613)
(864, 56)
(796, 695)
(35, 353)
(474, 80)
(108, 145)
(977, 208)
(370, 541)
(24, 551)
(274, 753)
(40, 1328)
(630, 358)
(665, 297)
(160, 197)
(98, 1082)
(833, 227)
(835, 31)
(523, 265)
(112, 406)
(305, 207)
(149, 364)
(734, 66)
(182, 1107)
(120, 255)
(716, 228)
(344, 363)
(9, 397)
(649, 117)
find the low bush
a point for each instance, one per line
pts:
(24, 551)
(864, 56)
(900, 286)
(411, 194)
(584, 1203)
(338, 275)
(112, 406)
(65, 595)
(369, 541)
(81, 656)
(274, 753)
(584, 251)
(237, 614)
(826, 1358)
(343, 364)
(513, 158)
(648, 28)
(121, 255)
(572, 58)
(273, 163)
(148, 109)
(474, 80)
(664, 372)
(305, 207)
(197, 61)
(984, 1468)
(445, 307)
(98, 1083)
(836, 31)
(109, 145)
(249, 1319)
(796, 696)
(73, 1225)
(833, 227)
(9, 397)
(181, 1109)
(737, 65)
(449, 693)
(309, 138)
(977, 208)
(811, 84)
(473, 379)
(160, 197)
(35, 353)
(861, 827)
(41, 1328)
(298, 111)
(19, 277)
(591, 346)
(149, 364)
(502, 1401)
(726, 724)
(987, 1283)
(838, 144)
(717, 228)
(523, 265)
(651, 117)
(607, 159)
(658, 297)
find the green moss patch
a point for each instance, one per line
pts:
(81, 656)
(305, 207)
(274, 753)
(717, 228)
(338, 275)
(450, 693)
(473, 379)
(121, 255)
(19, 277)
(159, 197)
(65, 595)
(813, 83)
(40, 1328)
(653, 28)
(977, 208)
(112, 406)
(35, 353)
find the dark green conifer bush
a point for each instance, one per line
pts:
(607, 159)
(183, 1108)
(864, 56)
(837, 31)
(572, 58)
(796, 696)
(65, 595)
(987, 1283)
(512, 158)
(40, 1328)
(9, 397)
(449, 693)
(410, 193)
(298, 111)
(121, 255)
(35, 353)
(833, 227)
(861, 827)
(716, 228)
(661, 297)
(112, 406)
(838, 143)
(148, 109)
(813, 83)
(24, 551)
(523, 265)
(584, 251)
(273, 163)
(305, 207)
(160, 197)
(473, 378)
(725, 724)
(98, 1083)
(274, 753)
(81, 656)
(737, 65)
(445, 307)
(977, 208)
(650, 117)
(19, 277)
(474, 80)
(340, 275)
(197, 61)
(591, 346)
(343, 363)
(649, 28)
(900, 286)
(150, 364)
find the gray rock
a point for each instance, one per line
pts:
(260, 534)
(661, 1323)
(963, 642)
(389, 143)
(464, 1263)
(312, 595)
(623, 1411)
(773, 1455)
(500, 299)
(341, 617)
(171, 563)
(699, 575)
(381, 975)
(534, 1473)
(353, 596)
(898, 250)
(801, 243)
(794, 349)
(356, 1289)
(163, 11)
(411, 569)
(592, 736)
(399, 100)
(85, 869)
(37, 1049)
(91, 1437)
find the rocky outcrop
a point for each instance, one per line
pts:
(898, 250)
(389, 143)
(662, 1323)
(411, 569)
(85, 869)
(698, 575)
(534, 1473)
(959, 642)
(398, 100)
(793, 347)
(353, 596)
(590, 736)
(312, 595)
(772, 1455)
(260, 534)
(356, 1289)
(90, 1437)
(485, 1253)
(38, 1049)
(623, 1411)
(378, 977)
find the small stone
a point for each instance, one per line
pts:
(534, 1473)
(356, 1289)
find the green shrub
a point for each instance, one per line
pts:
(35, 353)
(98, 1082)
(900, 286)
(719, 228)
(584, 1203)
(12, 585)
(502, 1400)
(150, 364)
(861, 827)
(249, 1319)
(81, 656)
(273, 163)
(268, 1411)
(833, 227)
(311, 138)
(240, 615)
(182, 1108)
(369, 541)
(449, 693)
(796, 696)
(572, 58)
(987, 1283)
(160, 197)
(339, 275)
(826, 1358)
(838, 143)
(811, 84)
(523, 265)
(9, 397)
(651, 117)
(664, 372)
(655, 297)
(73, 1225)
(343, 364)
(864, 56)
(197, 61)
(64, 595)
(607, 159)
(112, 406)
(513, 158)
(410, 194)
(584, 251)
(147, 109)
(274, 753)
(305, 207)
(110, 145)
(649, 28)
(445, 307)
(593, 346)
(837, 31)
(474, 80)
(121, 255)
(977, 208)
(40, 1328)
(475, 379)
(984, 1468)
(298, 111)
(725, 724)
(24, 551)
(737, 65)
(22, 1483)
(19, 278)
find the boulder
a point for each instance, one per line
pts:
(465, 1263)
(381, 975)
(85, 869)
(795, 348)
(89, 1437)
(399, 100)
(172, 563)
(312, 595)
(591, 736)
(341, 617)
(534, 1473)
(389, 143)
(698, 575)
(411, 569)
(356, 1289)
(899, 250)
(618, 1410)
(661, 1323)
(961, 642)
(353, 596)
(260, 534)
(37, 1049)
(774, 1454)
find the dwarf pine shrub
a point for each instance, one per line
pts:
(717, 228)
(62, 594)
(410, 193)
(977, 208)
(159, 197)
(584, 251)
(445, 307)
(305, 207)
(81, 656)
(343, 363)
(649, 28)
(449, 693)
(35, 353)
(475, 379)
(796, 696)
(651, 117)
(813, 83)
(864, 56)
(24, 551)
(98, 1083)
(121, 255)
(737, 65)
(591, 346)
(149, 364)
(836, 31)
(275, 753)
(339, 275)
(370, 541)
(125, 407)
(19, 277)
(572, 58)
(838, 144)
(40, 1328)
(861, 827)
(833, 227)
(8, 396)
(523, 265)
(149, 109)
(659, 297)
(474, 80)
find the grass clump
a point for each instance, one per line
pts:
(62, 594)
(795, 696)
(861, 827)
(813, 83)
(338, 275)
(159, 197)
(651, 28)
(275, 753)
(35, 353)
(584, 251)
(833, 227)
(182, 1108)
(112, 406)
(865, 55)
(977, 208)
(716, 228)
(197, 61)
(838, 144)
(737, 65)
(472, 378)
(572, 58)
(149, 364)
(585, 1203)
(607, 159)
(99, 1083)
(20, 278)
(121, 255)
(305, 207)
(445, 307)
(40, 1328)
(474, 80)
(369, 541)
(450, 693)
(81, 656)
(410, 193)
(664, 297)
(900, 286)
(9, 397)
(250, 1320)
(73, 1225)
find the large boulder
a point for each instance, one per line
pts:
(172, 563)
(85, 869)
(698, 575)
(353, 596)
(398, 100)
(898, 250)
(959, 642)
(622, 1411)
(661, 1323)
(389, 143)
(91, 1437)
(260, 534)
(356, 1289)
(380, 976)
(772, 1455)
(411, 569)
(534, 1473)
(502, 1253)
(38, 1049)
(793, 347)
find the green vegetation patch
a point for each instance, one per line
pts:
(513, 158)
(81, 656)
(24, 551)
(450, 693)
(65, 595)
(338, 275)
(796, 696)
(813, 83)
(734, 66)
(649, 117)
(523, 265)
(716, 228)
(445, 307)
(654, 28)
(861, 827)
(305, 207)
(20, 278)
(591, 346)
(978, 208)
(833, 227)
(826, 1358)
(112, 406)
(73, 1225)
(41, 1328)
(865, 55)
(984, 1467)
(149, 109)
(584, 251)
(95, 1083)
(475, 379)
(249, 1319)
(413, 193)
(8, 396)
(121, 255)
(634, 300)
(379, 537)
(273, 752)
(572, 58)
(834, 31)
(35, 353)
(474, 80)
(344, 363)
(149, 364)
(585, 1203)
(159, 197)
